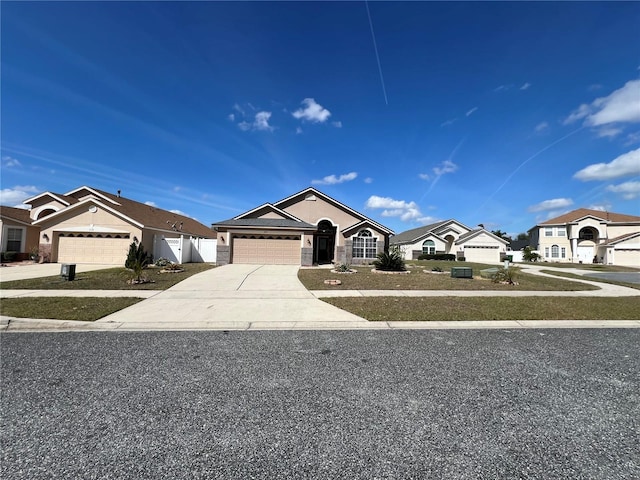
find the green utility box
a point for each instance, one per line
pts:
(461, 272)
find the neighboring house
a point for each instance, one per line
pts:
(587, 236)
(17, 235)
(516, 249)
(451, 237)
(306, 228)
(87, 225)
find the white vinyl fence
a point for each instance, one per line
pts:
(185, 249)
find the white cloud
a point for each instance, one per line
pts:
(445, 167)
(621, 106)
(337, 124)
(581, 112)
(10, 162)
(525, 86)
(629, 190)
(312, 112)
(231, 117)
(179, 212)
(14, 197)
(551, 204)
(151, 204)
(298, 130)
(260, 122)
(448, 122)
(502, 88)
(333, 180)
(541, 126)
(600, 207)
(406, 211)
(424, 176)
(624, 165)
(609, 132)
(632, 138)
(470, 112)
(368, 180)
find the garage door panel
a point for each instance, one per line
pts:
(481, 254)
(270, 251)
(109, 251)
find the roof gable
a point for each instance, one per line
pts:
(84, 191)
(20, 215)
(582, 213)
(417, 234)
(310, 194)
(266, 210)
(52, 196)
(478, 232)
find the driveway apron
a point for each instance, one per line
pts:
(240, 296)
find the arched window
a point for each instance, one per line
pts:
(364, 245)
(555, 251)
(429, 247)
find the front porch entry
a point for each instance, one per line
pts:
(324, 242)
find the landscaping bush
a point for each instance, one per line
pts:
(437, 256)
(8, 256)
(391, 261)
(528, 255)
(506, 275)
(343, 267)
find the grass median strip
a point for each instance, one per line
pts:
(489, 308)
(592, 279)
(109, 279)
(313, 279)
(85, 309)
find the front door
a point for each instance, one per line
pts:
(323, 249)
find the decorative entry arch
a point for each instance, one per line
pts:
(324, 242)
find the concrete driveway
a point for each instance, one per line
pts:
(236, 296)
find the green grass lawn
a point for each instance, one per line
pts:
(592, 267)
(313, 279)
(109, 279)
(489, 308)
(64, 308)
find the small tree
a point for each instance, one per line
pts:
(136, 260)
(528, 255)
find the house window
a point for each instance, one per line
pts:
(555, 251)
(429, 247)
(364, 245)
(563, 252)
(586, 234)
(562, 232)
(14, 240)
(548, 232)
(546, 252)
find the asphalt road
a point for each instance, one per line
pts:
(476, 404)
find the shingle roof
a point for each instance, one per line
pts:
(19, 214)
(412, 235)
(265, 222)
(621, 238)
(575, 215)
(157, 218)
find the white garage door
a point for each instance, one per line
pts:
(267, 249)
(481, 254)
(81, 248)
(629, 258)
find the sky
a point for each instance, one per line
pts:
(495, 113)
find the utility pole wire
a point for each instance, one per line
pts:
(375, 47)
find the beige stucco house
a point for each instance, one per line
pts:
(587, 236)
(451, 237)
(87, 225)
(307, 228)
(17, 235)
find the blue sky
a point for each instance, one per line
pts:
(498, 113)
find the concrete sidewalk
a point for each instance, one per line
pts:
(266, 297)
(25, 271)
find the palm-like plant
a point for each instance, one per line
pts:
(391, 261)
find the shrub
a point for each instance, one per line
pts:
(506, 275)
(136, 260)
(436, 269)
(343, 267)
(162, 262)
(529, 255)
(391, 261)
(437, 256)
(461, 259)
(8, 256)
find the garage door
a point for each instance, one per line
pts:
(267, 249)
(481, 254)
(89, 248)
(629, 258)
